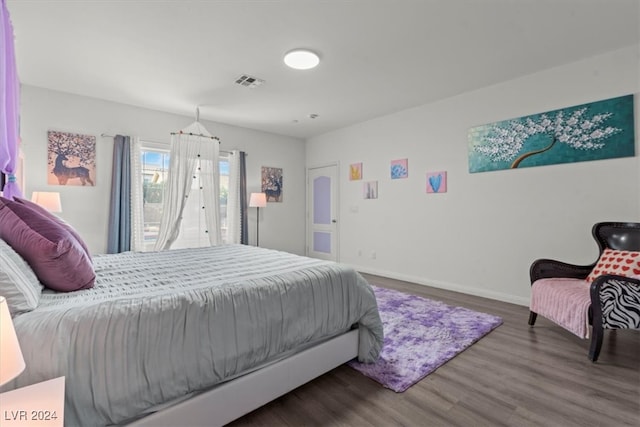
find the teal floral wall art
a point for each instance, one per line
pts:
(594, 131)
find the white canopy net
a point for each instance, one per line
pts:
(192, 193)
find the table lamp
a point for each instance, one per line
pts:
(11, 360)
(50, 200)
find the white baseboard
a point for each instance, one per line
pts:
(499, 296)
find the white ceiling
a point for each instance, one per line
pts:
(377, 56)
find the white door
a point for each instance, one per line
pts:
(322, 208)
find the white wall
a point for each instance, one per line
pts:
(482, 235)
(86, 208)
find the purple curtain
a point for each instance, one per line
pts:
(9, 94)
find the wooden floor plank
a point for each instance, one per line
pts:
(514, 376)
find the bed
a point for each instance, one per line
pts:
(182, 336)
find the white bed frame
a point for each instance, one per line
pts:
(242, 395)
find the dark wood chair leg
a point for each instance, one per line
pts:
(596, 343)
(532, 318)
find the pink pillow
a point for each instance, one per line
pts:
(56, 219)
(58, 260)
(622, 263)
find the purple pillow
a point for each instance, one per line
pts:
(36, 207)
(58, 260)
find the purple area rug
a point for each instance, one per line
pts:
(420, 335)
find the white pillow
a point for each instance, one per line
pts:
(18, 283)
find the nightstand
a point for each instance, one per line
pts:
(36, 405)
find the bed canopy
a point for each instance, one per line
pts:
(9, 95)
(194, 156)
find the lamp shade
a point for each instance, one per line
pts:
(50, 200)
(258, 200)
(11, 361)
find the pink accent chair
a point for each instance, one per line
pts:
(560, 293)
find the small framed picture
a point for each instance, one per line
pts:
(272, 183)
(399, 168)
(355, 172)
(437, 182)
(370, 190)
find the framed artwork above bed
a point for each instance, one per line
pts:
(71, 158)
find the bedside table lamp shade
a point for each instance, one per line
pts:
(11, 361)
(50, 200)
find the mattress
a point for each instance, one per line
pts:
(160, 325)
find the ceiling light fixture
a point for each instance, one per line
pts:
(301, 59)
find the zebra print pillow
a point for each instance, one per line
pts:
(620, 301)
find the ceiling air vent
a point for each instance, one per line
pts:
(248, 81)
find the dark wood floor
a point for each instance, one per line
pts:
(515, 376)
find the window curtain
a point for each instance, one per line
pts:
(192, 149)
(9, 109)
(137, 199)
(120, 213)
(237, 201)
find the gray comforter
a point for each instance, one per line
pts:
(160, 325)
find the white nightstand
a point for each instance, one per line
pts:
(40, 404)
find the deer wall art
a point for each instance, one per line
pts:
(64, 173)
(72, 158)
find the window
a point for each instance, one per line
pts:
(154, 169)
